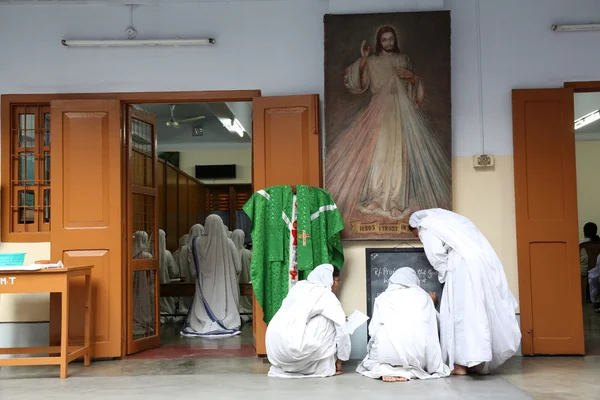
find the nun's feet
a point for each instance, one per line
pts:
(459, 370)
(394, 379)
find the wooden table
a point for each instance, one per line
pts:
(53, 280)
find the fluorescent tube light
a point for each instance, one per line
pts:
(137, 43)
(576, 28)
(233, 126)
(587, 119)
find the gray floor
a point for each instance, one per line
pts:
(237, 378)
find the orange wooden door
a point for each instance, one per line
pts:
(286, 149)
(546, 212)
(87, 215)
(143, 288)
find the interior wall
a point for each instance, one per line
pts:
(588, 189)
(277, 47)
(242, 157)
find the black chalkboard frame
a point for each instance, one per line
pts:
(368, 253)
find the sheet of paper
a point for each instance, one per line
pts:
(355, 320)
(33, 267)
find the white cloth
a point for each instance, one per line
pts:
(594, 281)
(404, 333)
(186, 269)
(307, 334)
(168, 270)
(214, 312)
(245, 255)
(143, 311)
(478, 325)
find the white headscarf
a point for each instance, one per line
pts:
(140, 245)
(404, 278)
(322, 276)
(162, 249)
(238, 237)
(419, 216)
(183, 241)
(195, 231)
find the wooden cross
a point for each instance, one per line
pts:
(304, 236)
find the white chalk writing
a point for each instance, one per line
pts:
(7, 280)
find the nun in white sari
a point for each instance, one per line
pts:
(307, 337)
(238, 237)
(143, 312)
(404, 341)
(478, 325)
(186, 269)
(168, 270)
(214, 312)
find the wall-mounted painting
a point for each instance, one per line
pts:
(172, 157)
(388, 119)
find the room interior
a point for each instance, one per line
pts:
(204, 167)
(587, 153)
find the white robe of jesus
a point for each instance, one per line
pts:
(478, 325)
(214, 312)
(307, 335)
(404, 333)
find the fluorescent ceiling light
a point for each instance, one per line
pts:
(587, 119)
(233, 126)
(576, 28)
(137, 43)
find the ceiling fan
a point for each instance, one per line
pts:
(173, 123)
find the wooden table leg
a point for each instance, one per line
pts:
(87, 360)
(64, 332)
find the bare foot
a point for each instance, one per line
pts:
(339, 372)
(395, 213)
(394, 379)
(373, 205)
(459, 370)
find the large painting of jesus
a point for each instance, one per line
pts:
(387, 119)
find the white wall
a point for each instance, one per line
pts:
(242, 157)
(277, 47)
(588, 188)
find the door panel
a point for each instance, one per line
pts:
(286, 149)
(546, 212)
(143, 289)
(86, 215)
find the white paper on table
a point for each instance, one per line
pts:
(355, 320)
(33, 267)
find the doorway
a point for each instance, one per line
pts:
(587, 150)
(186, 161)
(551, 284)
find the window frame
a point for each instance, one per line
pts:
(8, 192)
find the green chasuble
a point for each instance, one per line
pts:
(274, 256)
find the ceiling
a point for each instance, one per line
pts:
(586, 103)
(213, 131)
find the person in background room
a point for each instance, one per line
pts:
(307, 337)
(478, 324)
(168, 270)
(238, 239)
(404, 342)
(214, 312)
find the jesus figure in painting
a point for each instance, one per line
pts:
(390, 151)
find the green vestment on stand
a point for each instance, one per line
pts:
(319, 224)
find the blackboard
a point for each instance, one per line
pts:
(382, 263)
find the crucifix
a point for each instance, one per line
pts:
(304, 236)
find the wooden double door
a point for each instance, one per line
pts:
(105, 203)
